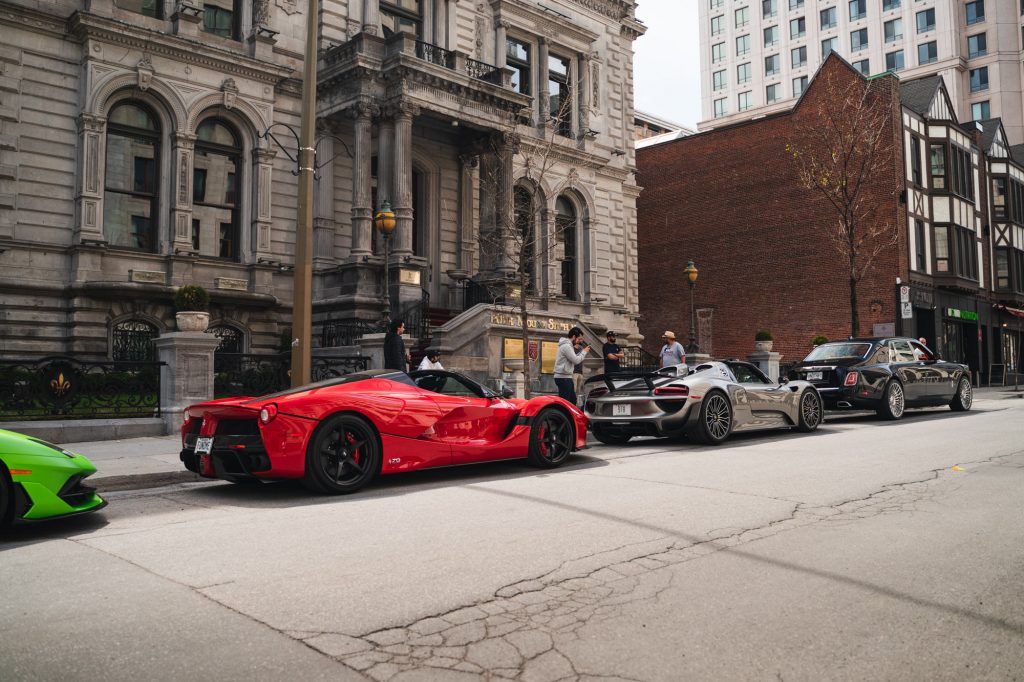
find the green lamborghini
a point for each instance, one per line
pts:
(39, 480)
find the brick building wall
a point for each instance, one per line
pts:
(730, 200)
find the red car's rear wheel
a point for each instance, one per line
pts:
(343, 456)
(551, 438)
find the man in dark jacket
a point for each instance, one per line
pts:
(394, 347)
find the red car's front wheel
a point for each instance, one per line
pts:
(343, 455)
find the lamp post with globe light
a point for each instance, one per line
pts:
(384, 220)
(691, 275)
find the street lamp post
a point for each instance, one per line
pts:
(385, 222)
(691, 275)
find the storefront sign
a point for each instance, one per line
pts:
(551, 324)
(408, 276)
(962, 314)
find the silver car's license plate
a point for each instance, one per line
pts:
(621, 410)
(204, 445)
(814, 376)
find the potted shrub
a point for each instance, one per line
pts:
(191, 303)
(818, 340)
(763, 340)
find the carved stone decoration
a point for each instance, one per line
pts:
(145, 70)
(595, 86)
(574, 177)
(481, 30)
(230, 91)
(353, 27)
(260, 12)
(289, 6)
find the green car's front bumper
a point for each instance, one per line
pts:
(43, 481)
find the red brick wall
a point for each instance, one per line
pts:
(730, 200)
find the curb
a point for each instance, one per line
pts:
(110, 484)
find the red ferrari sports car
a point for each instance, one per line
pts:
(337, 435)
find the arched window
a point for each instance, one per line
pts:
(133, 340)
(132, 185)
(215, 182)
(565, 245)
(232, 340)
(526, 235)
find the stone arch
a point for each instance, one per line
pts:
(125, 344)
(110, 92)
(242, 113)
(584, 246)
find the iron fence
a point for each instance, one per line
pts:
(435, 55)
(347, 333)
(65, 388)
(638, 360)
(483, 71)
(248, 374)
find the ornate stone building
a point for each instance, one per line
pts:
(135, 157)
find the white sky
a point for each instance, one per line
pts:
(666, 64)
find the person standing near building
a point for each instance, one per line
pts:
(577, 374)
(565, 362)
(612, 353)
(671, 353)
(394, 347)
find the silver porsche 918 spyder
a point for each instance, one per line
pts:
(706, 404)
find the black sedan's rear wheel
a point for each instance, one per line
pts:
(714, 423)
(810, 411)
(551, 438)
(964, 396)
(343, 456)
(893, 401)
(610, 435)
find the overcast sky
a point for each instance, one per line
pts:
(666, 65)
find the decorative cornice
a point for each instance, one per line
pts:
(32, 20)
(85, 26)
(512, 14)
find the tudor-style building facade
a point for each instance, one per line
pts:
(145, 145)
(954, 191)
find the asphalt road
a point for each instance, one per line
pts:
(865, 551)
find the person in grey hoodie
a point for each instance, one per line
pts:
(566, 360)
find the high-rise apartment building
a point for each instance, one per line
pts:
(757, 56)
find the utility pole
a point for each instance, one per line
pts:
(302, 295)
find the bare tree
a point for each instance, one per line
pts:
(521, 239)
(845, 140)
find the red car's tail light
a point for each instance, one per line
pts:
(672, 390)
(185, 416)
(268, 413)
(851, 379)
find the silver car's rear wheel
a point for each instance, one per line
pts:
(810, 411)
(714, 422)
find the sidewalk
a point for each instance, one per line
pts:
(146, 462)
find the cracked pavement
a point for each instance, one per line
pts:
(858, 552)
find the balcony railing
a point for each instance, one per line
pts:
(483, 71)
(435, 54)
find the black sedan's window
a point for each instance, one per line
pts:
(833, 351)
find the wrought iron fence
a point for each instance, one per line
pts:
(483, 71)
(347, 333)
(638, 360)
(417, 321)
(480, 293)
(435, 55)
(248, 374)
(66, 388)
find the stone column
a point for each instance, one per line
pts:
(467, 227)
(439, 26)
(324, 226)
(371, 16)
(500, 38)
(181, 198)
(362, 211)
(767, 362)
(504, 209)
(187, 374)
(91, 132)
(402, 195)
(543, 98)
(385, 162)
(583, 93)
(263, 161)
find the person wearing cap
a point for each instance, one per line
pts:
(611, 353)
(432, 360)
(671, 353)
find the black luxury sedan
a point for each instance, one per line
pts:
(887, 375)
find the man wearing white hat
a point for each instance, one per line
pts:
(671, 353)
